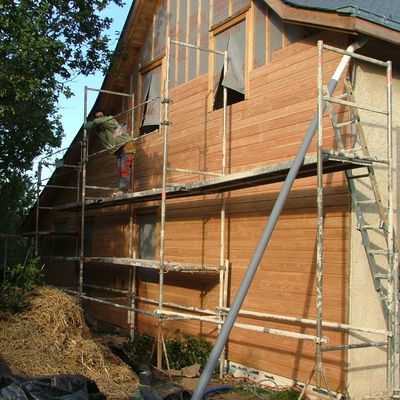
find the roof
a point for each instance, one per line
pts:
(384, 12)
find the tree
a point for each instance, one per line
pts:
(43, 45)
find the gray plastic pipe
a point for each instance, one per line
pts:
(266, 235)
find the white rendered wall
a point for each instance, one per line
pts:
(367, 367)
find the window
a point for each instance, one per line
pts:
(147, 224)
(233, 40)
(151, 91)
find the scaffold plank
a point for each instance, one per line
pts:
(333, 162)
(153, 264)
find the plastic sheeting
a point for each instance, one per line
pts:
(146, 81)
(204, 27)
(234, 77)
(234, 40)
(192, 39)
(152, 109)
(173, 35)
(65, 387)
(275, 33)
(160, 28)
(260, 34)
(237, 5)
(145, 55)
(182, 51)
(220, 11)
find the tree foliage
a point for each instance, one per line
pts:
(16, 290)
(43, 45)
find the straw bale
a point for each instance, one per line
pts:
(51, 338)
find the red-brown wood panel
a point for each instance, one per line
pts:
(267, 127)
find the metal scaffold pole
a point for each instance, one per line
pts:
(394, 341)
(5, 258)
(319, 369)
(163, 203)
(320, 218)
(265, 237)
(132, 269)
(223, 211)
(83, 195)
(38, 186)
(165, 123)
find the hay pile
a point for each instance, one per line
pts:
(52, 338)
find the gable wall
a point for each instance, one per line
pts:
(267, 127)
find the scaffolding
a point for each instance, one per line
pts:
(321, 163)
(53, 160)
(389, 301)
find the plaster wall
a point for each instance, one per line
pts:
(367, 368)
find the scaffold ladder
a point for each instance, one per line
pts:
(381, 250)
(375, 252)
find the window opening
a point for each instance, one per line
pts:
(232, 40)
(147, 224)
(151, 91)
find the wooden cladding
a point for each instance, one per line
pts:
(266, 128)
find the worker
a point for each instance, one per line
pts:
(114, 138)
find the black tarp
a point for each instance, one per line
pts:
(65, 387)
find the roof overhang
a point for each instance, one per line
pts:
(333, 20)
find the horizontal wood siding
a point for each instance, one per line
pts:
(266, 128)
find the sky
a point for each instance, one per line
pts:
(71, 110)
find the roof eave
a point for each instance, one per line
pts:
(332, 20)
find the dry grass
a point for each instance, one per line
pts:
(51, 338)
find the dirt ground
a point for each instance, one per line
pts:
(163, 385)
(190, 384)
(243, 390)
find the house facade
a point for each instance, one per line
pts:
(262, 56)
